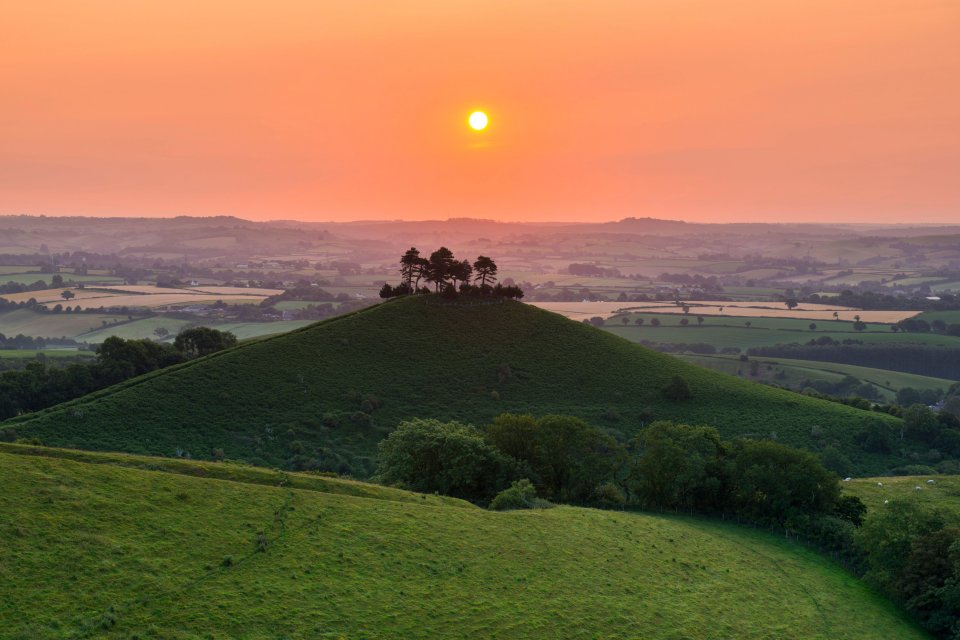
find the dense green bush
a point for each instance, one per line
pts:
(444, 457)
(521, 494)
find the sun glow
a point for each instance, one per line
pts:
(478, 120)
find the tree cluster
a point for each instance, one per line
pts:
(913, 556)
(39, 385)
(666, 466)
(448, 276)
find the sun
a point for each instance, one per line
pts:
(478, 120)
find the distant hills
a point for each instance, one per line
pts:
(324, 395)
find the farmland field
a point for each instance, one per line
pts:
(53, 325)
(761, 332)
(796, 371)
(143, 296)
(735, 309)
(949, 317)
(48, 353)
(246, 330)
(138, 329)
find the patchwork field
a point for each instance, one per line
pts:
(721, 332)
(134, 296)
(53, 325)
(151, 554)
(735, 309)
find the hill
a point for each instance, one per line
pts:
(103, 550)
(324, 395)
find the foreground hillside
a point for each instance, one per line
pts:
(324, 395)
(101, 550)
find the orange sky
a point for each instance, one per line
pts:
(761, 110)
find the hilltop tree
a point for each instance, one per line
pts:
(449, 276)
(439, 266)
(486, 271)
(411, 268)
(461, 272)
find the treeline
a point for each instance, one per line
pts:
(39, 385)
(449, 276)
(873, 300)
(21, 341)
(928, 360)
(667, 466)
(919, 325)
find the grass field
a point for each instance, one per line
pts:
(101, 550)
(47, 353)
(30, 278)
(138, 329)
(794, 372)
(334, 389)
(53, 325)
(943, 493)
(949, 317)
(143, 296)
(731, 332)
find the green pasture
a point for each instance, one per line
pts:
(96, 549)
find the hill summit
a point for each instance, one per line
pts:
(323, 396)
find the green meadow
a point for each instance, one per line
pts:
(101, 550)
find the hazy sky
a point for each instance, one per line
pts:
(764, 110)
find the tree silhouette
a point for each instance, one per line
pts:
(486, 270)
(439, 266)
(411, 267)
(461, 271)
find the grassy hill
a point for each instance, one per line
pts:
(96, 549)
(326, 394)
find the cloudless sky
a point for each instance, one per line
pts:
(754, 110)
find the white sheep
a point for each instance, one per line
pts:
(931, 481)
(879, 484)
(917, 488)
(886, 502)
(847, 479)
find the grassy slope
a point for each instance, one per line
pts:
(105, 551)
(888, 382)
(421, 360)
